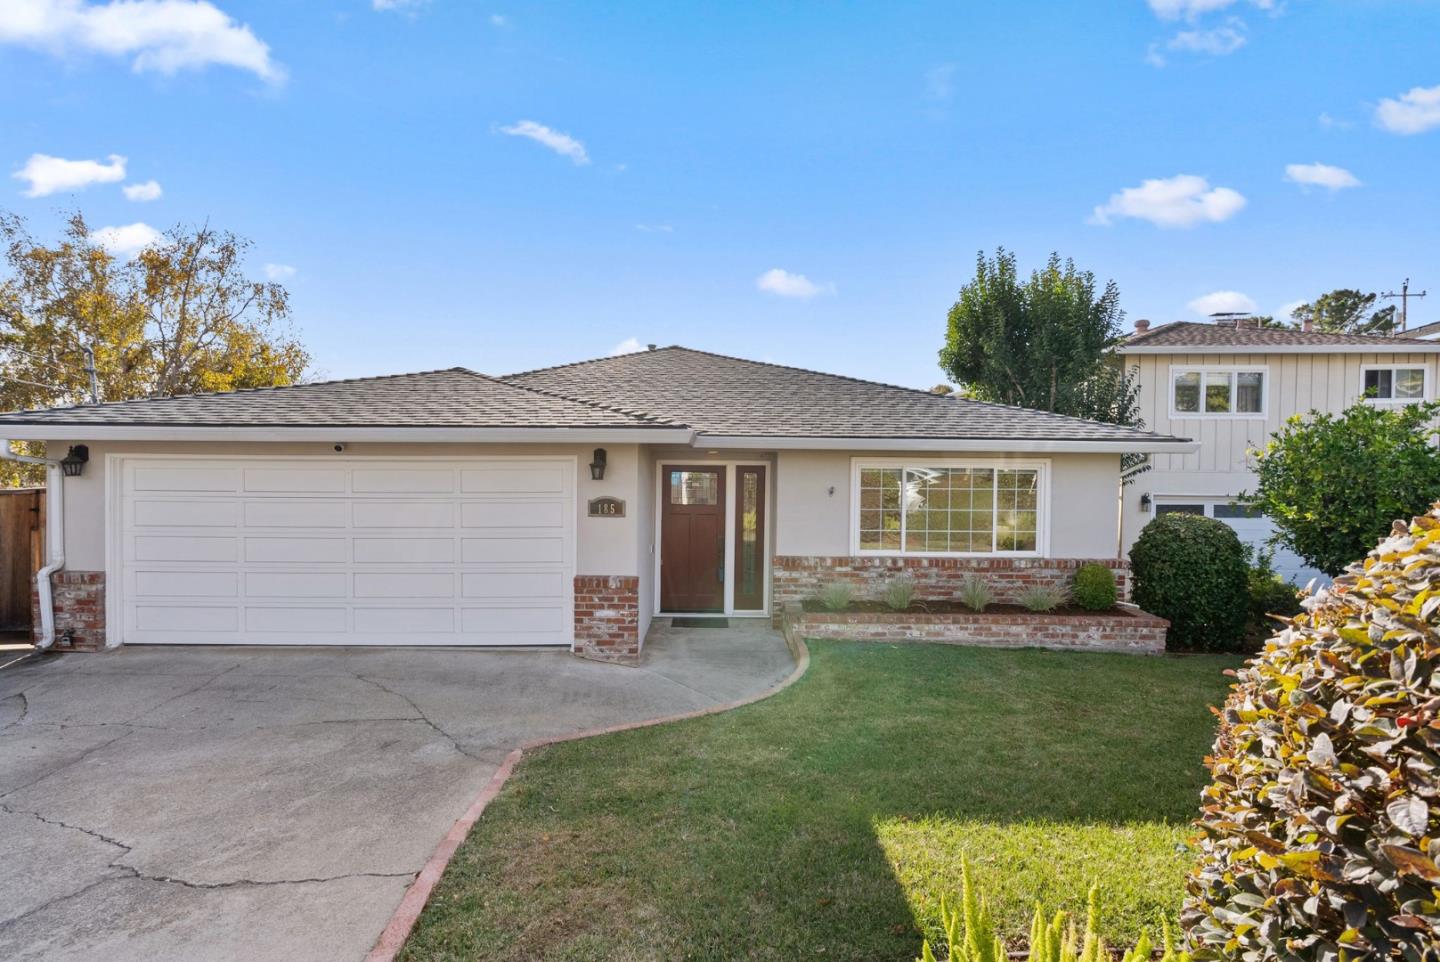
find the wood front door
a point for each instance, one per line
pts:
(692, 539)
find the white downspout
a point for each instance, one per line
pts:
(54, 537)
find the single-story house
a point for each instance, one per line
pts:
(563, 506)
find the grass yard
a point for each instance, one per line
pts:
(826, 822)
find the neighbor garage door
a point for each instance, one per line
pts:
(342, 550)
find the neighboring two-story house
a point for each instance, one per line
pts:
(1230, 384)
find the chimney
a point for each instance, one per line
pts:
(1141, 326)
(1236, 320)
(1307, 325)
(649, 347)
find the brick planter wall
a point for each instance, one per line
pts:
(1128, 630)
(607, 618)
(79, 608)
(798, 577)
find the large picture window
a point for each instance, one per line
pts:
(1401, 385)
(1217, 392)
(948, 508)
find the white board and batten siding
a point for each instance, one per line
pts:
(345, 551)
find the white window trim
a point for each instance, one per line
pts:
(768, 549)
(1262, 369)
(1426, 393)
(1042, 504)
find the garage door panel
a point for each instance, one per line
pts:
(512, 584)
(404, 514)
(513, 514)
(404, 584)
(296, 480)
(516, 620)
(295, 584)
(174, 617)
(303, 620)
(512, 550)
(184, 548)
(518, 478)
(185, 584)
(404, 481)
(186, 514)
(334, 551)
(400, 551)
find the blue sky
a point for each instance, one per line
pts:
(505, 186)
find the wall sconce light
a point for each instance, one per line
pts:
(597, 466)
(74, 462)
(1145, 502)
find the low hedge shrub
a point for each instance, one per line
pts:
(1094, 588)
(1191, 571)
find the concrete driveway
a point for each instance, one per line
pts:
(242, 803)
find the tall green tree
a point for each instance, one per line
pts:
(1347, 311)
(1037, 342)
(181, 316)
(1334, 483)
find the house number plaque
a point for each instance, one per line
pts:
(607, 508)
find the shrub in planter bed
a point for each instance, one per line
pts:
(836, 595)
(1043, 597)
(1191, 571)
(1094, 588)
(1322, 823)
(899, 593)
(970, 935)
(975, 594)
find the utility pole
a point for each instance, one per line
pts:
(1404, 298)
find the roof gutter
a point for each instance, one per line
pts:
(1156, 445)
(54, 538)
(76, 431)
(1382, 347)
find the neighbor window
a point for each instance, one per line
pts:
(948, 508)
(1394, 383)
(1217, 391)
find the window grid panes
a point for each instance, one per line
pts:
(694, 487)
(949, 510)
(1218, 392)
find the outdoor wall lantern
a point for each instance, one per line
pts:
(597, 466)
(74, 462)
(1145, 501)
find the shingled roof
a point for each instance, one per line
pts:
(1180, 336)
(728, 396)
(451, 398)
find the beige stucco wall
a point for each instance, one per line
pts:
(813, 494)
(1298, 384)
(604, 546)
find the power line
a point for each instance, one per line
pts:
(48, 387)
(1404, 298)
(53, 365)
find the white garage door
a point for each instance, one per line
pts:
(327, 551)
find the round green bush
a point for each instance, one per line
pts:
(1191, 571)
(1322, 822)
(1094, 588)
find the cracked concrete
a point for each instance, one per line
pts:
(228, 803)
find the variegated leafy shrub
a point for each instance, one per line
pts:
(1321, 827)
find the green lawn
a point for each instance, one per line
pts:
(827, 821)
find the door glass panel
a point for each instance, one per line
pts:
(1179, 509)
(694, 487)
(1232, 510)
(750, 543)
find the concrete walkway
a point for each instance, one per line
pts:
(244, 803)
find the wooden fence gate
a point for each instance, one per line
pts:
(22, 553)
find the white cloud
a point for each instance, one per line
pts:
(1320, 175)
(631, 345)
(164, 36)
(562, 144)
(126, 241)
(1153, 56)
(1286, 311)
(1413, 112)
(48, 175)
(148, 191)
(1217, 42)
(1190, 9)
(782, 283)
(499, 20)
(402, 6)
(940, 81)
(655, 228)
(1223, 302)
(1333, 123)
(1180, 201)
(279, 272)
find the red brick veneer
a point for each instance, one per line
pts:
(607, 617)
(79, 608)
(797, 577)
(1126, 630)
